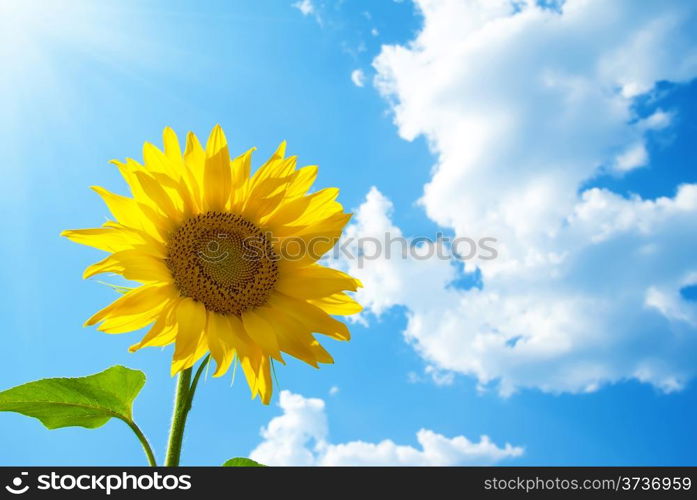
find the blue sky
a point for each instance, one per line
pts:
(613, 382)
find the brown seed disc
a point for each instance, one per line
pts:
(223, 261)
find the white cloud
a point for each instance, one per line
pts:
(393, 280)
(657, 121)
(300, 437)
(634, 157)
(333, 391)
(306, 7)
(521, 108)
(309, 9)
(358, 77)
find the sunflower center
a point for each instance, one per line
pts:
(223, 261)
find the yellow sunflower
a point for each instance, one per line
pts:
(227, 261)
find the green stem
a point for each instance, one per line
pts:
(176, 430)
(143, 441)
(182, 404)
(192, 390)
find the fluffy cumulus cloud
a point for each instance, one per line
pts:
(522, 106)
(300, 437)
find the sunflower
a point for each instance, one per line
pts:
(227, 261)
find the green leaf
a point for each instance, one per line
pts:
(82, 402)
(242, 462)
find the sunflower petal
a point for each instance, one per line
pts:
(163, 332)
(133, 265)
(130, 213)
(103, 238)
(295, 338)
(338, 303)
(194, 161)
(158, 196)
(137, 301)
(217, 175)
(303, 210)
(191, 321)
(315, 282)
(261, 332)
(264, 382)
(302, 181)
(315, 318)
(171, 142)
(220, 341)
(240, 168)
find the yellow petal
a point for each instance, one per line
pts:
(129, 323)
(295, 338)
(103, 238)
(338, 303)
(275, 167)
(191, 321)
(266, 193)
(156, 161)
(257, 370)
(125, 210)
(133, 265)
(319, 238)
(137, 301)
(220, 341)
(240, 168)
(128, 170)
(315, 282)
(264, 382)
(163, 332)
(330, 226)
(194, 154)
(172, 149)
(168, 170)
(129, 212)
(302, 181)
(306, 209)
(217, 175)
(242, 342)
(141, 240)
(158, 196)
(195, 161)
(250, 366)
(312, 316)
(261, 332)
(280, 152)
